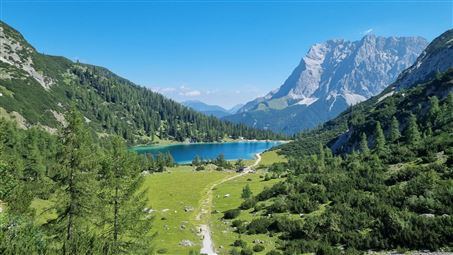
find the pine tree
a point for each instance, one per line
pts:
(364, 144)
(125, 223)
(246, 192)
(380, 138)
(322, 157)
(434, 110)
(239, 164)
(394, 130)
(34, 165)
(412, 134)
(160, 162)
(169, 161)
(75, 205)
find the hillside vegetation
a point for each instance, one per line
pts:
(384, 183)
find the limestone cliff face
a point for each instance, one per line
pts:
(332, 76)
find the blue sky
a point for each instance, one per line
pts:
(220, 52)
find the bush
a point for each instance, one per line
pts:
(240, 243)
(237, 223)
(235, 251)
(248, 203)
(240, 226)
(246, 251)
(259, 207)
(259, 226)
(231, 214)
(274, 252)
(258, 248)
(199, 168)
(325, 249)
(162, 251)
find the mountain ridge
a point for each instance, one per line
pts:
(332, 76)
(211, 110)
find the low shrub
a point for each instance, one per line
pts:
(258, 248)
(231, 214)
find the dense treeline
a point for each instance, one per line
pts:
(131, 111)
(392, 190)
(92, 188)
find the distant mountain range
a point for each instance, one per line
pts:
(211, 110)
(330, 77)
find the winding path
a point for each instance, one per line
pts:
(207, 246)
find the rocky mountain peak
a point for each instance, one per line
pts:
(353, 70)
(334, 75)
(15, 51)
(436, 58)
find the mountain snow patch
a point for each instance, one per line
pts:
(352, 99)
(385, 96)
(308, 101)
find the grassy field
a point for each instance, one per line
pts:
(169, 195)
(270, 157)
(175, 197)
(222, 233)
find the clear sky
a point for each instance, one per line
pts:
(220, 52)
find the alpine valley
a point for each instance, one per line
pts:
(86, 163)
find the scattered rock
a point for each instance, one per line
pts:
(227, 195)
(145, 173)
(186, 243)
(428, 215)
(148, 210)
(188, 208)
(257, 241)
(165, 210)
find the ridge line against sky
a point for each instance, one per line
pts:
(217, 52)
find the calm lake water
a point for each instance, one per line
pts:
(184, 153)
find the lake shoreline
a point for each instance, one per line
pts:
(184, 153)
(225, 142)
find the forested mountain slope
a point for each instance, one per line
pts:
(377, 178)
(37, 89)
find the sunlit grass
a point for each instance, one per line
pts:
(171, 192)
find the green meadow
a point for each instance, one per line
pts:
(174, 196)
(175, 199)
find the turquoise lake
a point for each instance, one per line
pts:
(184, 153)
